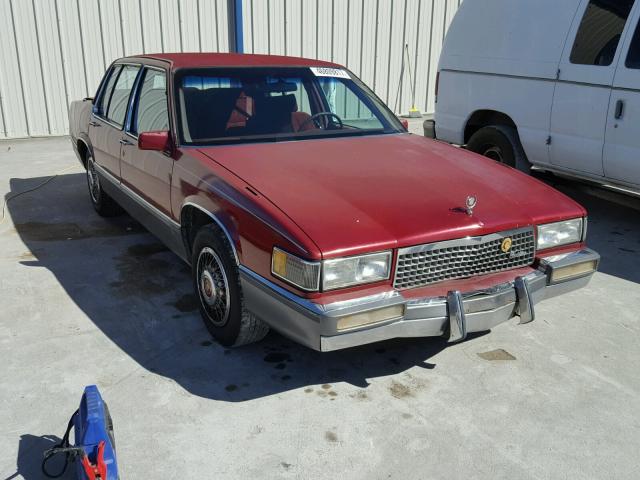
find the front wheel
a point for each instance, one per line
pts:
(216, 280)
(101, 201)
(500, 143)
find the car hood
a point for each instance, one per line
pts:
(356, 194)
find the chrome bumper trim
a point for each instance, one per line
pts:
(457, 319)
(525, 305)
(453, 316)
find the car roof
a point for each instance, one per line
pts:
(182, 60)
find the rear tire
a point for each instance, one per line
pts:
(216, 280)
(500, 143)
(101, 201)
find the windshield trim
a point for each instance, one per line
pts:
(394, 126)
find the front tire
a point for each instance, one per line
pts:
(500, 143)
(216, 280)
(101, 201)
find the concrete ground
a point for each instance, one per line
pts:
(87, 300)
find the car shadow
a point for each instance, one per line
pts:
(29, 459)
(614, 225)
(139, 295)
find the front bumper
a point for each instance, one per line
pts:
(454, 316)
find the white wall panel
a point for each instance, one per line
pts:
(368, 36)
(55, 51)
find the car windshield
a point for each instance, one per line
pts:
(231, 105)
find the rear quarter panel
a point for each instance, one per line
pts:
(526, 100)
(79, 117)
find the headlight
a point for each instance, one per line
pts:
(345, 272)
(561, 233)
(302, 274)
(336, 273)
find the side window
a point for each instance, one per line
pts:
(633, 58)
(151, 111)
(600, 32)
(117, 109)
(103, 101)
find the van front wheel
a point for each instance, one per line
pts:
(500, 143)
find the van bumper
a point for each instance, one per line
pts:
(429, 127)
(459, 313)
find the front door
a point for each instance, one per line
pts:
(583, 90)
(622, 139)
(107, 119)
(148, 173)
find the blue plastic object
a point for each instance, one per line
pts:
(92, 426)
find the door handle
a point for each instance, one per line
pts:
(95, 124)
(619, 109)
(124, 141)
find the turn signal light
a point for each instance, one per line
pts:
(572, 271)
(373, 316)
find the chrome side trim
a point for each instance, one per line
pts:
(457, 320)
(525, 305)
(219, 223)
(462, 241)
(152, 208)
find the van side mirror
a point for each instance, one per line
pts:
(405, 123)
(157, 141)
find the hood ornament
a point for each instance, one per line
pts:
(472, 201)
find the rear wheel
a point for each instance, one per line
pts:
(500, 143)
(102, 202)
(216, 280)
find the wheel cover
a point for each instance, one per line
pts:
(94, 181)
(494, 153)
(213, 287)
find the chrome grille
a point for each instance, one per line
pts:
(466, 257)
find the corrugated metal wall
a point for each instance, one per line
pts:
(55, 51)
(368, 36)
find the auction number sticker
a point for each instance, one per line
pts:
(330, 72)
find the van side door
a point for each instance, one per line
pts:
(583, 90)
(622, 138)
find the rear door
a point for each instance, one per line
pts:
(148, 173)
(583, 90)
(108, 118)
(622, 139)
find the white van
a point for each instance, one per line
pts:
(549, 83)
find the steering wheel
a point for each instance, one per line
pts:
(314, 118)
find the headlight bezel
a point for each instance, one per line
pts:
(318, 269)
(578, 234)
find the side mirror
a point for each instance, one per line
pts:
(405, 123)
(158, 141)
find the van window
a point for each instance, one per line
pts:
(600, 32)
(633, 58)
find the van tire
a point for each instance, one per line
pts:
(500, 143)
(222, 307)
